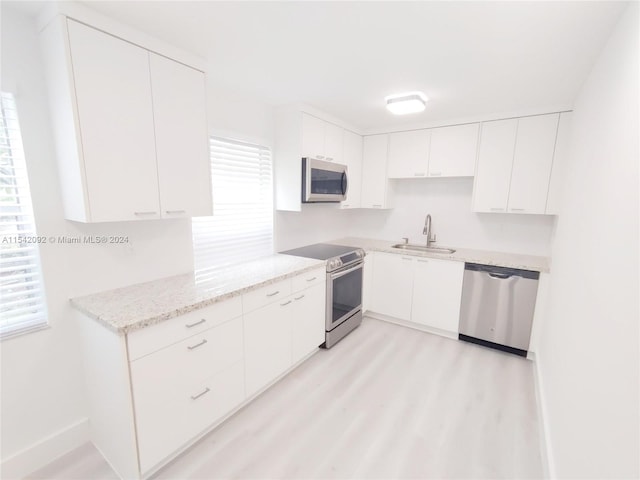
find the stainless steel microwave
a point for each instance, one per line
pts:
(323, 181)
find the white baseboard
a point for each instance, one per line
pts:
(45, 451)
(543, 422)
(414, 326)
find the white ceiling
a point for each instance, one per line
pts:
(470, 58)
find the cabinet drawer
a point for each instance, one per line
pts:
(150, 339)
(265, 295)
(165, 422)
(189, 361)
(308, 279)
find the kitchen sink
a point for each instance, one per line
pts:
(423, 248)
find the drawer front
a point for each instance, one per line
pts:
(308, 279)
(265, 295)
(189, 361)
(147, 340)
(166, 422)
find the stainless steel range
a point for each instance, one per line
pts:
(344, 287)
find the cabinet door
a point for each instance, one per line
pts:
(307, 321)
(333, 142)
(532, 162)
(367, 281)
(392, 285)
(352, 158)
(493, 173)
(437, 290)
(184, 388)
(267, 344)
(374, 171)
(408, 154)
(453, 151)
(559, 168)
(182, 144)
(115, 111)
(312, 137)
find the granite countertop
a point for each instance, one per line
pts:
(137, 306)
(512, 260)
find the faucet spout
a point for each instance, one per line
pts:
(427, 225)
(427, 230)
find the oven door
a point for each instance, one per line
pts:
(323, 181)
(344, 294)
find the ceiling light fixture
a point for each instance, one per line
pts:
(403, 103)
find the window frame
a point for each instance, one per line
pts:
(202, 271)
(19, 236)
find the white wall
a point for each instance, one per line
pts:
(239, 116)
(42, 382)
(588, 354)
(236, 115)
(448, 200)
(315, 223)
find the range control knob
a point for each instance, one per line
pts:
(335, 263)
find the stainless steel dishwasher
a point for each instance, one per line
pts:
(497, 307)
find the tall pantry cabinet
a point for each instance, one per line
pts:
(130, 126)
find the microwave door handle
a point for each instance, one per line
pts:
(345, 184)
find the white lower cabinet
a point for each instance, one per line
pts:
(154, 391)
(278, 335)
(182, 389)
(267, 340)
(307, 322)
(367, 282)
(392, 285)
(425, 291)
(437, 291)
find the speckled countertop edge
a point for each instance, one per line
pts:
(501, 259)
(126, 309)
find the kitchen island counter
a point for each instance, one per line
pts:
(137, 306)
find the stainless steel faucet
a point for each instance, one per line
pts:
(427, 231)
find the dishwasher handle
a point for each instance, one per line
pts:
(501, 276)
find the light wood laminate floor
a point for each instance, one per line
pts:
(386, 402)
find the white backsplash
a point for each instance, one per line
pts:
(448, 200)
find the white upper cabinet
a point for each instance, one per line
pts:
(333, 143)
(559, 168)
(436, 152)
(453, 151)
(352, 158)
(320, 139)
(312, 137)
(375, 186)
(514, 165)
(115, 113)
(495, 158)
(180, 113)
(131, 131)
(409, 154)
(532, 162)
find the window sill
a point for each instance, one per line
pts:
(24, 331)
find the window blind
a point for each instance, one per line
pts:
(241, 228)
(22, 301)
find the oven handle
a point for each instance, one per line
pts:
(341, 273)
